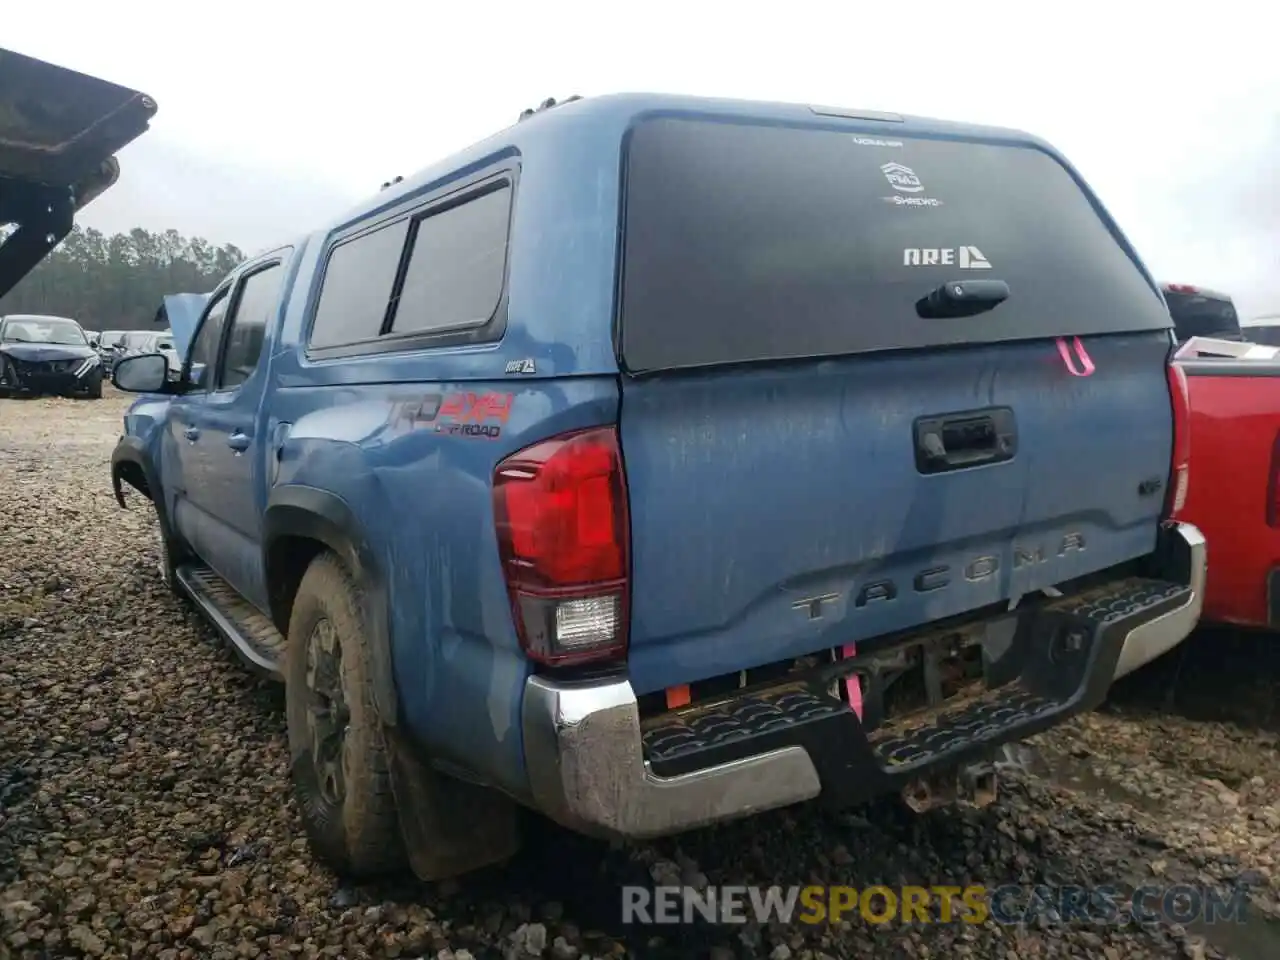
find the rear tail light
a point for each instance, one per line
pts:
(564, 538)
(1273, 485)
(1180, 476)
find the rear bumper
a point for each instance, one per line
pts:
(594, 767)
(1185, 560)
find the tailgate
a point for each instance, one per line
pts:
(812, 459)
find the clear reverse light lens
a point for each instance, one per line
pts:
(586, 622)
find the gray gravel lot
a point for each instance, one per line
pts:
(145, 807)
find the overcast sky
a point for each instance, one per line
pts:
(275, 116)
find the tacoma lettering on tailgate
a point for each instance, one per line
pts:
(979, 568)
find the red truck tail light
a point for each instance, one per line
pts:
(564, 538)
(1180, 475)
(1273, 484)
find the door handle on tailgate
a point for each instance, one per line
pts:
(953, 441)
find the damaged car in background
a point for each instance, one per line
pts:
(47, 355)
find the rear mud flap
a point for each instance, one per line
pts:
(449, 827)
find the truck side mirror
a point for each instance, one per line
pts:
(145, 373)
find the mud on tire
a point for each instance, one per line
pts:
(338, 751)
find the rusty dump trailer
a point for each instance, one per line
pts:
(59, 133)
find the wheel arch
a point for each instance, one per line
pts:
(300, 522)
(130, 464)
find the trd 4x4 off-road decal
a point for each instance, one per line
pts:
(474, 414)
(458, 414)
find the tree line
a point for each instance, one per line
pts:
(116, 282)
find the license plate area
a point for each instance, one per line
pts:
(914, 674)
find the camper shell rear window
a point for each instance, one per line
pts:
(746, 242)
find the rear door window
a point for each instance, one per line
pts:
(746, 242)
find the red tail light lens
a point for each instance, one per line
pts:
(1273, 485)
(563, 536)
(1180, 476)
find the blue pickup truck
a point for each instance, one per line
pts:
(662, 460)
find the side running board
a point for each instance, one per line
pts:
(251, 634)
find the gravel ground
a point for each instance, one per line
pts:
(145, 808)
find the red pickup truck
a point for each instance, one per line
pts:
(1233, 494)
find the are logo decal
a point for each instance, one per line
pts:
(525, 366)
(966, 258)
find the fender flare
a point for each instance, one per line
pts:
(131, 450)
(296, 510)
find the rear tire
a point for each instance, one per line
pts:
(338, 749)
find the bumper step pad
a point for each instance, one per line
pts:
(251, 634)
(1042, 664)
